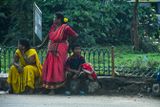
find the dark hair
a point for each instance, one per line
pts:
(60, 16)
(75, 46)
(25, 43)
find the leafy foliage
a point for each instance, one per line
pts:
(4, 18)
(98, 22)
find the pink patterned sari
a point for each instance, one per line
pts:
(53, 67)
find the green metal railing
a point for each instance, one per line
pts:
(99, 58)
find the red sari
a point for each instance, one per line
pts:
(53, 67)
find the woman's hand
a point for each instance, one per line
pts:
(42, 44)
(20, 69)
(39, 46)
(24, 56)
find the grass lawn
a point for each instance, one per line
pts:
(125, 56)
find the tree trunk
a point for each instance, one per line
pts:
(135, 38)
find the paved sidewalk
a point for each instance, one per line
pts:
(76, 101)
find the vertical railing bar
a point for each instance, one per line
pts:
(94, 58)
(99, 68)
(103, 61)
(0, 59)
(4, 56)
(88, 52)
(109, 62)
(9, 55)
(84, 51)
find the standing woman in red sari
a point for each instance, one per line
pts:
(53, 67)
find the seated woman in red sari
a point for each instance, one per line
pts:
(53, 67)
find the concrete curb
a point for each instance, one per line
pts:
(110, 86)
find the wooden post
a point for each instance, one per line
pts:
(112, 52)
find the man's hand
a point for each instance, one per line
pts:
(75, 76)
(76, 71)
(66, 74)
